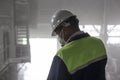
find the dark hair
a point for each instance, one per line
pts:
(74, 22)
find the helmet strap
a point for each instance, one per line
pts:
(65, 24)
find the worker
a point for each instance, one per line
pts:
(81, 57)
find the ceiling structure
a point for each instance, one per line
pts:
(88, 11)
(39, 12)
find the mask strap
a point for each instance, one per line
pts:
(61, 33)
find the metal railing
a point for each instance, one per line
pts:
(22, 43)
(3, 55)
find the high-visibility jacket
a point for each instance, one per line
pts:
(83, 58)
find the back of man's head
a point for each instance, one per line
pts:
(72, 21)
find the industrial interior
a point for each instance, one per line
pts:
(27, 47)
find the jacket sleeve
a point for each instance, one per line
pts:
(58, 70)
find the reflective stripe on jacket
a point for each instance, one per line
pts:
(80, 53)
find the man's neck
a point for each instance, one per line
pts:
(75, 33)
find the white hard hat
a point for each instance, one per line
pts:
(58, 18)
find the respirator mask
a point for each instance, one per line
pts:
(61, 38)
